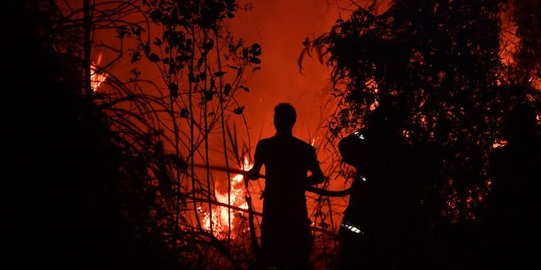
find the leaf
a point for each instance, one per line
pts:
(256, 49)
(146, 48)
(209, 45)
(136, 56)
(244, 88)
(182, 58)
(153, 57)
(239, 110)
(177, 160)
(173, 87)
(200, 62)
(134, 74)
(255, 60)
(208, 94)
(306, 44)
(137, 30)
(122, 31)
(184, 113)
(227, 89)
(299, 60)
(155, 15)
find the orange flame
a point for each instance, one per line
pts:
(536, 82)
(97, 77)
(499, 143)
(314, 141)
(219, 220)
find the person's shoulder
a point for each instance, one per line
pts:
(303, 144)
(265, 142)
(300, 142)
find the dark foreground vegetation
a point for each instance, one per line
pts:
(84, 188)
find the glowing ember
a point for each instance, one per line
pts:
(372, 86)
(374, 105)
(536, 82)
(499, 143)
(97, 77)
(220, 223)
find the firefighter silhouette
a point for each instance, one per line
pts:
(380, 229)
(512, 234)
(286, 239)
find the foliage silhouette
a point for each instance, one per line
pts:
(77, 197)
(436, 61)
(200, 69)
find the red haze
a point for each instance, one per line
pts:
(280, 27)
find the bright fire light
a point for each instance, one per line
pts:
(499, 143)
(220, 223)
(97, 77)
(536, 82)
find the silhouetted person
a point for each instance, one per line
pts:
(286, 240)
(512, 229)
(380, 229)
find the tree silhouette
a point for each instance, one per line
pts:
(76, 194)
(201, 66)
(185, 71)
(441, 63)
(106, 178)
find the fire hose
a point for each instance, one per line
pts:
(313, 189)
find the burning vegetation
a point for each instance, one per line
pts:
(224, 221)
(165, 79)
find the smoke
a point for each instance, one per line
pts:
(280, 27)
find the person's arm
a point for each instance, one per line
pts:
(317, 175)
(253, 174)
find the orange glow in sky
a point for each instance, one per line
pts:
(280, 27)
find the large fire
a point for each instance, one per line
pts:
(224, 220)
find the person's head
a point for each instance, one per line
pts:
(520, 123)
(284, 118)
